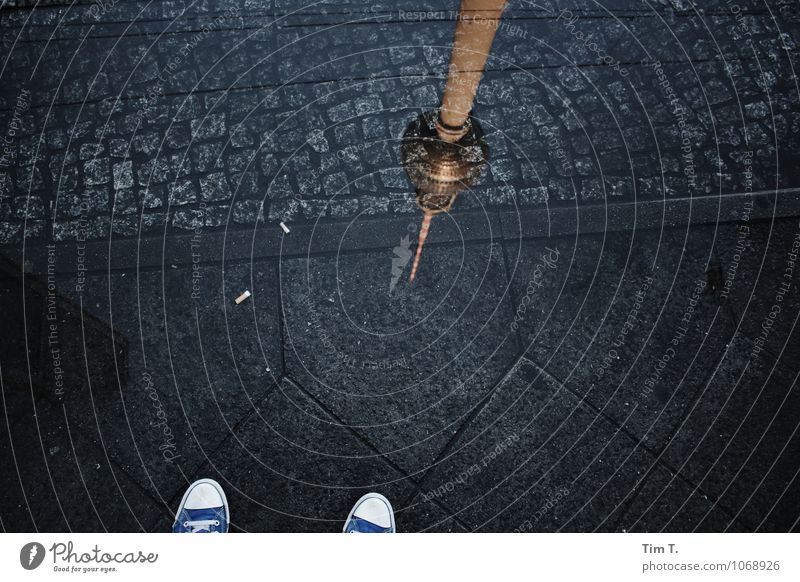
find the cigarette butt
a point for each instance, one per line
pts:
(285, 228)
(242, 297)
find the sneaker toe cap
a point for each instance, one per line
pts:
(204, 496)
(375, 511)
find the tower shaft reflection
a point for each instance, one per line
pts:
(444, 151)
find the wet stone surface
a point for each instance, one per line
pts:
(404, 364)
(602, 333)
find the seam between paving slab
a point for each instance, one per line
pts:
(655, 454)
(450, 513)
(470, 418)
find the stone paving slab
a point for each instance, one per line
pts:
(759, 261)
(616, 313)
(336, 376)
(537, 459)
(740, 442)
(163, 412)
(665, 503)
(527, 223)
(59, 479)
(403, 368)
(230, 150)
(304, 470)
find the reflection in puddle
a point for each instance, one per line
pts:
(440, 169)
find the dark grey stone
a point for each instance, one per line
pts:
(146, 143)
(336, 185)
(209, 127)
(214, 187)
(63, 480)
(30, 207)
(123, 175)
(182, 192)
(125, 202)
(96, 171)
(280, 187)
(189, 219)
(154, 171)
(283, 209)
(248, 212)
(343, 207)
(90, 150)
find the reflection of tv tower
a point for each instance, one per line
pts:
(431, 205)
(444, 151)
(33, 552)
(423, 235)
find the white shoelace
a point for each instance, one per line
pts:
(200, 525)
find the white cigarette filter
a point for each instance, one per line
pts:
(242, 297)
(285, 228)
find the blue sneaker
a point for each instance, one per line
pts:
(203, 509)
(371, 514)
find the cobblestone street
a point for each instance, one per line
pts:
(602, 335)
